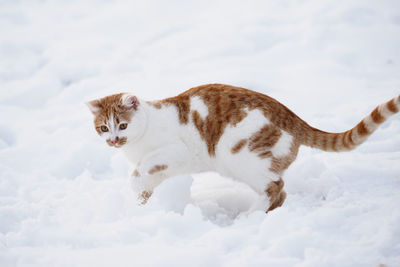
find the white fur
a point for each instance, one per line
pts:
(196, 103)
(282, 147)
(93, 108)
(125, 98)
(111, 126)
(397, 101)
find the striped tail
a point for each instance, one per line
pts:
(350, 139)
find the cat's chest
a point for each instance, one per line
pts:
(135, 152)
(131, 154)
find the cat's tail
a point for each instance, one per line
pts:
(350, 139)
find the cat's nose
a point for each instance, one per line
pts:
(115, 140)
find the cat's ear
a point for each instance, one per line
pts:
(94, 106)
(131, 102)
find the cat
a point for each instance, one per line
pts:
(239, 133)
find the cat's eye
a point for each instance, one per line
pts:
(123, 126)
(104, 128)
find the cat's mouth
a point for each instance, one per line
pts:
(117, 142)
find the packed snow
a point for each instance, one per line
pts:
(65, 198)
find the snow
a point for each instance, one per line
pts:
(64, 195)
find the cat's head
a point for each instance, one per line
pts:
(117, 118)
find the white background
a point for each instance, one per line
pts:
(64, 194)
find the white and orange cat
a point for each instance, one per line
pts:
(238, 133)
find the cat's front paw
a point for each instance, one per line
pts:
(144, 197)
(136, 173)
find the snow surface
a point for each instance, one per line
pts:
(64, 195)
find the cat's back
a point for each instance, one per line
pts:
(228, 105)
(222, 94)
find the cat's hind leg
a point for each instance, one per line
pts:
(275, 194)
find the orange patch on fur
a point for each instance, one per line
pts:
(156, 104)
(265, 138)
(157, 168)
(376, 116)
(392, 106)
(362, 129)
(239, 145)
(266, 154)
